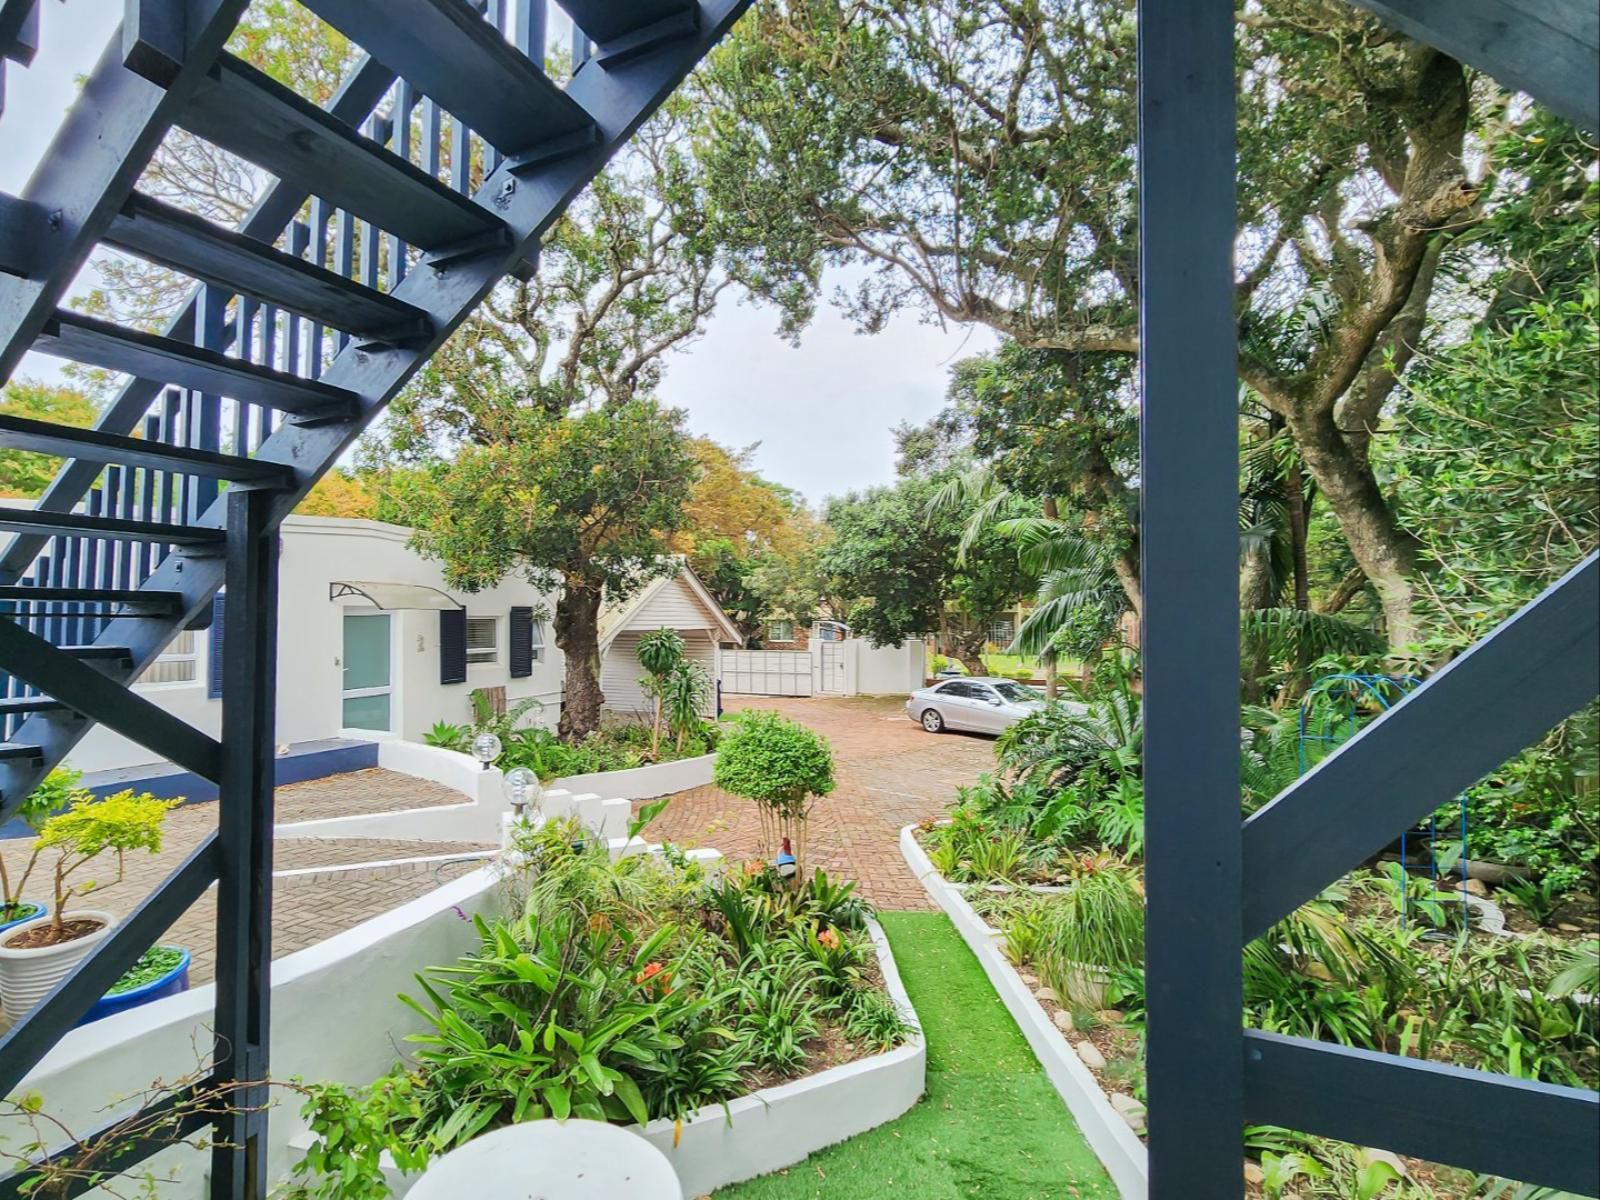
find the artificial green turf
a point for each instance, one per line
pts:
(990, 1124)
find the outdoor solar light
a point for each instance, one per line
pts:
(785, 862)
(485, 748)
(522, 789)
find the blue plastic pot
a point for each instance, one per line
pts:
(39, 910)
(170, 984)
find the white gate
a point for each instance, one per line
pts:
(766, 672)
(833, 680)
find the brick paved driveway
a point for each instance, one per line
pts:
(889, 773)
(316, 902)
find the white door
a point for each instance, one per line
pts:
(832, 668)
(367, 700)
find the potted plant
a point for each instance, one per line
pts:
(160, 971)
(59, 789)
(1092, 931)
(783, 767)
(38, 953)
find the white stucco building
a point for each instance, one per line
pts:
(348, 668)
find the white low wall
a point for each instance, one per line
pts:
(1118, 1148)
(601, 799)
(779, 1126)
(643, 783)
(334, 1017)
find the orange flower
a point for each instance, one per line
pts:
(829, 938)
(754, 867)
(651, 970)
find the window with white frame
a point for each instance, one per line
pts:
(483, 648)
(178, 663)
(780, 631)
(536, 641)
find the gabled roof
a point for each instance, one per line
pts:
(614, 619)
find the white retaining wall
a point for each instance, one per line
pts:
(1118, 1147)
(334, 1017)
(643, 783)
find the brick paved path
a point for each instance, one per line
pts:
(889, 773)
(306, 908)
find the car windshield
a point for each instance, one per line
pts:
(1016, 693)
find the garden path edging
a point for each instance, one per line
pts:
(642, 783)
(1120, 1151)
(779, 1126)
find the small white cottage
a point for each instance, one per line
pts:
(679, 602)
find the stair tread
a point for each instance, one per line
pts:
(28, 704)
(148, 355)
(21, 593)
(32, 520)
(19, 750)
(252, 115)
(611, 20)
(452, 55)
(46, 437)
(232, 260)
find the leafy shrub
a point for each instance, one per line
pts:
(872, 1018)
(783, 767)
(449, 737)
(1097, 924)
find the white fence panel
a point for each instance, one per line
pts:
(766, 672)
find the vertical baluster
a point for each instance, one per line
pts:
(112, 551)
(206, 407)
(402, 146)
(460, 155)
(344, 246)
(97, 554)
(69, 579)
(58, 578)
(253, 437)
(529, 32)
(88, 555)
(321, 213)
(370, 233)
(175, 494)
(495, 15)
(147, 499)
(126, 510)
(248, 309)
(431, 132)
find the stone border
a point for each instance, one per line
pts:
(779, 1126)
(1118, 1148)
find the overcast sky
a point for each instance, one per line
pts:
(821, 412)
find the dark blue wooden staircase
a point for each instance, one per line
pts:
(429, 176)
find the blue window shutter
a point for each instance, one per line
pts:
(452, 645)
(214, 667)
(521, 624)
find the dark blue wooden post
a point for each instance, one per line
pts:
(1189, 476)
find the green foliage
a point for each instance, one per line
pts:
(1096, 925)
(778, 763)
(149, 967)
(661, 651)
(897, 559)
(90, 827)
(448, 737)
(22, 472)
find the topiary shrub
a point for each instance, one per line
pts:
(782, 766)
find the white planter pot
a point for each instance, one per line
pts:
(27, 976)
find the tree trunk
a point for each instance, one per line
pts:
(1386, 553)
(1294, 490)
(578, 636)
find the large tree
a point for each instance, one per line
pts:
(977, 158)
(541, 447)
(897, 560)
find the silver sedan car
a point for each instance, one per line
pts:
(976, 704)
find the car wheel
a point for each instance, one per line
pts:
(932, 721)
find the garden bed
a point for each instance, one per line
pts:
(778, 1126)
(1108, 1133)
